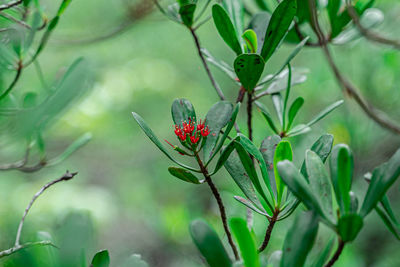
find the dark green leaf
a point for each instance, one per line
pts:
(101, 259)
(217, 118)
(225, 28)
(382, 178)
(235, 10)
(30, 100)
(278, 27)
(393, 227)
(251, 206)
(182, 110)
(283, 152)
(63, 6)
(293, 110)
(184, 175)
(341, 166)
(299, 240)
(209, 244)
(259, 24)
(319, 181)
(150, 134)
(349, 226)
(187, 13)
(267, 149)
(248, 68)
(247, 246)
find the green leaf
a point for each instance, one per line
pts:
(248, 68)
(101, 259)
(301, 189)
(30, 100)
(325, 112)
(251, 40)
(150, 134)
(393, 227)
(382, 178)
(283, 152)
(353, 202)
(298, 130)
(322, 257)
(209, 244)
(278, 105)
(341, 166)
(262, 5)
(247, 246)
(299, 240)
(293, 110)
(267, 149)
(63, 6)
(251, 206)
(349, 226)
(259, 24)
(182, 110)
(235, 10)
(187, 13)
(278, 27)
(225, 28)
(248, 145)
(264, 111)
(72, 148)
(279, 81)
(333, 14)
(223, 66)
(217, 118)
(171, 12)
(319, 180)
(184, 175)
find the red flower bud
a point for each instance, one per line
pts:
(204, 132)
(178, 130)
(182, 137)
(194, 139)
(200, 126)
(188, 127)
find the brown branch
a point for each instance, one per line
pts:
(221, 206)
(335, 257)
(17, 246)
(10, 5)
(370, 35)
(268, 233)
(378, 116)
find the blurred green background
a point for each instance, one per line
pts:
(123, 185)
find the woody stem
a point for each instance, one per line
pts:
(221, 206)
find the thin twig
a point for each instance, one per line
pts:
(370, 35)
(268, 233)
(14, 82)
(203, 60)
(335, 256)
(221, 206)
(20, 22)
(375, 114)
(10, 5)
(19, 164)
(17, 246)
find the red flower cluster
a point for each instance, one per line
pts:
(192, 130)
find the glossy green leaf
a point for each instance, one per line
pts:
(250, 38)
(298, 130)
(299, 240)
(388, 209)
(293, 110)
(251, 206)
(264, 111)
(278, 26)
(259, 24)
(248, 68)
(247, 245)
(101, 259)
(235, 10)
(150, 134)
(262, 5)
(283, 152)
(301, 189)
(319, 180)
(217, 118)
(349, 226)
(182, 110)
(333, 13)
(184, 175)
(341, 166)
(225, 28)
(187, 13)
(267, 149)
(382, 178)
(325, 112)
(209, 244)
(63, 6)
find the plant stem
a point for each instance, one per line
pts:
(269, 231)
(335, 257)
(14, 82)
(203, 60)
(221, 206)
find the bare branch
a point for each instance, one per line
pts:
(14, 249)
(10, 5)
(14, 82)
(370, 35)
